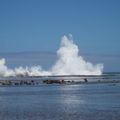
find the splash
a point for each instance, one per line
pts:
(69, 63)
(20, 71)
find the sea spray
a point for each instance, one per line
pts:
(69, 62)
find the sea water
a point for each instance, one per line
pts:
(99, 101)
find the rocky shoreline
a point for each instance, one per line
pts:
(50, 81)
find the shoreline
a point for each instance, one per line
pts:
(54, 82)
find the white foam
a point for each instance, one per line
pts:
(69, 63)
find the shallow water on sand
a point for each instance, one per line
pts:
(61, 102)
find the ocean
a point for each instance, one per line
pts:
(95, 101)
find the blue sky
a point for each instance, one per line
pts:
(38, 25)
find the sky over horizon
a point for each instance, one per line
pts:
(38, 25)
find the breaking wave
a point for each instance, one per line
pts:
(69, 62)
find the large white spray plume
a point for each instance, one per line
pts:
(69, 63)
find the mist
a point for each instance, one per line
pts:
(69, 62)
